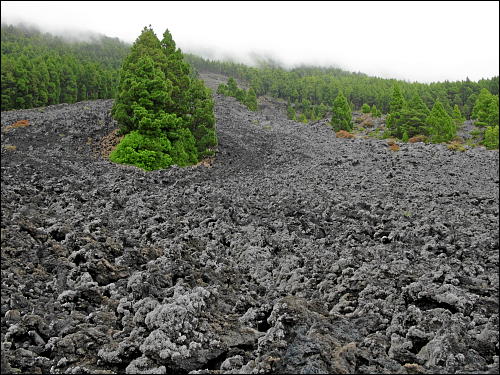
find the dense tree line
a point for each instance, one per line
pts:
(40, 69)
(434, 110)
(306, 88)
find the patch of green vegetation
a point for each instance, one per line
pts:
(165, 114)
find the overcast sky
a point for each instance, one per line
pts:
(414, 41)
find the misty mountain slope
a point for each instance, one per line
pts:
(295, 252)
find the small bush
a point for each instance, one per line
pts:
(365, 108)
(344, 134)
(144, 152)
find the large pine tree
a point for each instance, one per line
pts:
(161, 108)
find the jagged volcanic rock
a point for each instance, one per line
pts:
(295, 252)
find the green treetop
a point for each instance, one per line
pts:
(440, 126)
(481, 109)
(365, 108)
(491, 137)
(375, 112)
(412, 118)
(232, 87)
(492, 116)
(457, 115)
(341, 114)
(398, 101)
(396, 106)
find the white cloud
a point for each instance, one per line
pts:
(423, 41)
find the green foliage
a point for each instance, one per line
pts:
(159, 98)
(396, 106)
(440, 126)
(201, 118)
(141, 85)
(457, 115)
(480, 110)
(341, 114)
(223, 89)
(491, 137)
(144, 152)
(322, 110)
(232, 87)
(248, 98)
(492, 116)
(411, 119)
(290, 112)
(375, 112)
(365, 108)
(251, 99)
(40, 69)
(183, 150)
(405, 137)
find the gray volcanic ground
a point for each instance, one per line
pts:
(295, 252)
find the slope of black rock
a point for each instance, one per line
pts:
(296, 252)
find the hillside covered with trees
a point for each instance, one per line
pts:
(40, 69)
(308, 87)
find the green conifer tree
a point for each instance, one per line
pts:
(481, 107)
(491, 137)
(232, 87)
(341, 114)
(412, 118)
(192, 100)
(375, 112)
(167, 115)
(396, 106)
(457, 116)
(492, 112)
(251, 99)
(365, 108)
(440, 126)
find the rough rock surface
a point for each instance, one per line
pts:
(295, 252)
